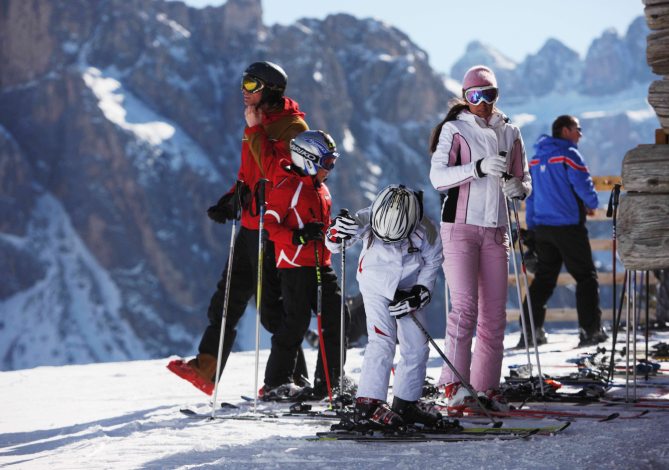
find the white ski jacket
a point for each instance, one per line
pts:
(385, 267)
(471, 199)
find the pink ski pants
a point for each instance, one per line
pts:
(476, 266)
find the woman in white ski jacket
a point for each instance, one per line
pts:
(478, 160)
(397, 268)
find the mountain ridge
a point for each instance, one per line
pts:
(121, 123)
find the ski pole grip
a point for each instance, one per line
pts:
(616, 194)
(506, 176)
(343, 212)
(237, 199)
(260, 192)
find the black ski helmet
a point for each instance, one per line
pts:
(272, 76)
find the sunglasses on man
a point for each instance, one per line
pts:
(475, 95)
(252, 84)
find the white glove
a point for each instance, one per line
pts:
(494, 165)
(342, 228)
(513, 189)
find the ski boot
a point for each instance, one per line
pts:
(415, 412)
(284, 392)
(372, 413)
(198, 371)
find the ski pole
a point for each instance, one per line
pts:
(616, 326)
(342, 315)
(231, 254)
(469, 388)
(260, 201)
(627, 336)
(612, 211)
(525, 282)
(635, 309)
(527, 293)
(523, 320)
(647, 316)
(319, 308)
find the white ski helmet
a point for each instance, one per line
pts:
(395, 213)
(312, 150)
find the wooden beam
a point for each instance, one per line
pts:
(600, 214)
(565, 279)
(605, 183)
(557, 314)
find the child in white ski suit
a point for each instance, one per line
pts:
(399, 262)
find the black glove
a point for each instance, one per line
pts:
(310, 231)
(531, 261)
(224, 209)
(529, 239)
(406, 302)
(245, 196)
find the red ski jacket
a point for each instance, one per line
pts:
(295, 201)
(263, 146)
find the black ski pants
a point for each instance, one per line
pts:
(566, 244)
(243, 286)
(299, 287)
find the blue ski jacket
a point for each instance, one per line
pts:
(561, 185)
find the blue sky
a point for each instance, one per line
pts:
(444, 27)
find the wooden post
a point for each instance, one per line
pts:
(643, 220)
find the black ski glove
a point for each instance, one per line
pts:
(311, 231)
(224, 209)
(245, 196)
(528, 238)
(406, 302)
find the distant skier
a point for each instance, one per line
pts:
(298, 211)
(272, 120)
(400, 258)
(564, 194)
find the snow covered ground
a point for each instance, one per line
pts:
(126, 415)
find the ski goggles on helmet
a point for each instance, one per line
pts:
(475, 95)
(251, 84)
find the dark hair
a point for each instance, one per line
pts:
(457, 106)
(273, 98)
(561, 122)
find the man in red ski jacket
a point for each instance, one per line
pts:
(298, 212)
(272, 120)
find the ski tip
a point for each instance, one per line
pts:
(610, 417)
(531, 433)
(562, 428)
(188, 412)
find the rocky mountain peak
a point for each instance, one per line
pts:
(121, 122)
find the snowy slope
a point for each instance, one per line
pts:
(126, 415)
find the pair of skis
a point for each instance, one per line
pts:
(427, 435)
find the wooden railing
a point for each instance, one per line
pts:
(602, 184)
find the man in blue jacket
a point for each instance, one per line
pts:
(563, 194)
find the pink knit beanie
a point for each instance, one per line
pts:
(479, 75)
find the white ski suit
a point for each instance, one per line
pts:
(383, 268)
